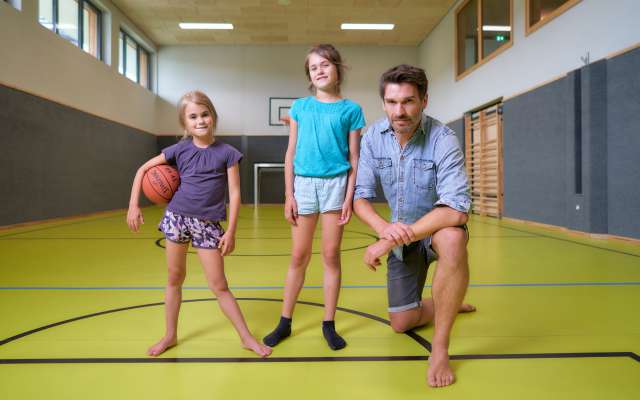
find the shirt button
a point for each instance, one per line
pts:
(402, 157)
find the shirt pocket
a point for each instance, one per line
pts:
(423, 174)
(384, 170)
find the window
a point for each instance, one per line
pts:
(135, 61)
(539, 12)
(65, 16)
(483, 30)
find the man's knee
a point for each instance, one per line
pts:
(402, 322)
(450, 242)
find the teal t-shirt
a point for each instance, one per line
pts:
(323, 135)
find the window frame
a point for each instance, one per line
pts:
(529, 29)
(481, 60)
(80, 39)
(122, 53)
(99, 13)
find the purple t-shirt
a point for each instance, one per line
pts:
(203, 178)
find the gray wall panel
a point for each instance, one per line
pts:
(534, 155)
(58, 161)
(458, 127)
(623, 125)
(266, 149)
(594, 139)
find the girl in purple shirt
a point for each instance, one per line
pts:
(194, 214)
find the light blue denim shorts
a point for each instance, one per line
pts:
(319, 195)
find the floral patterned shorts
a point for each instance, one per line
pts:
(203, 234)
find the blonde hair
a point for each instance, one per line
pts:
(199, 98)
(330, 53)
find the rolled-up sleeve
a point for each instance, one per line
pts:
(366, 177)
(452, 185)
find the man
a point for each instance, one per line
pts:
(420, 166)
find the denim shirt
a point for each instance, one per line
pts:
(427, 172)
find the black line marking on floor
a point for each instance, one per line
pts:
(159, 244)
(152, 237)
(605, 354)
(202, 360)
(419, 339)
(218, 360)
(557, 238)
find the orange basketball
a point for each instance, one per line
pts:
(159, 183)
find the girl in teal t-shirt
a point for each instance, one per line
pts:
(320, 174)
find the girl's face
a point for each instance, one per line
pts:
(198, 120)
(324, 74)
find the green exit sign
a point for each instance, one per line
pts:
(500, 38)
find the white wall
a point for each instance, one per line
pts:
(597, 27)
(240, 79)
(38, 61)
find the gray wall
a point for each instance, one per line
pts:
(58, 161)
(572, 150)
(534, 155)
(623, 146)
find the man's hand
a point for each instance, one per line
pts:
(375, 251)
(398, 233)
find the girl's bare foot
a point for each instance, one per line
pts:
(260, 349)
(160, 347)
(465, 308)
(439, 373)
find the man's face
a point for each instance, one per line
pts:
(403, 106)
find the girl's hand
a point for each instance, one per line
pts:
(134, 218)
(291, 210)
(227, 243)
(347, 211)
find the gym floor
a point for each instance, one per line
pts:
(81, 300)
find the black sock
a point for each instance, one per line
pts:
(282, 331)
(335, 341)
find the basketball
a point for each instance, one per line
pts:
(159, 183)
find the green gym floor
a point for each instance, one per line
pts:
(81, 300)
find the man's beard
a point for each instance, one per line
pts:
(404, 129)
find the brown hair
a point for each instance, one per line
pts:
(330, 53)
(405, 74)
(199, 98)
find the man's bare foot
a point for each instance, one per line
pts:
(160, 347)
(465, 308)
(260, 349)
(439, 373)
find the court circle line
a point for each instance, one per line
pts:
(417, 338)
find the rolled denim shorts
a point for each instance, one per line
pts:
(202, 234)
(319, 195)
(406, 277)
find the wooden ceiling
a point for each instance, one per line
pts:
(285, 21)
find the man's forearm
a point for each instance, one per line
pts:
(365, 211)
(436, 219)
